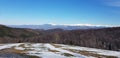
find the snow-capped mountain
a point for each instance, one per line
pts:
(64, 26)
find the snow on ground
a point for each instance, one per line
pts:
(48, 55)
(45, 53)
(4, 46)
(64, 51)
(19, 48)
(46, 50)
(94, 50)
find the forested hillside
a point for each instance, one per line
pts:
(107, 38)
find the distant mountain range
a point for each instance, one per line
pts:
(54, 26)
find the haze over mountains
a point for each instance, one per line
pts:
(64, 26)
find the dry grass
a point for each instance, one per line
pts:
(57, 46)
(22, 45)
(67, 54)
(20, 52)
(87, 53)
(11, 50)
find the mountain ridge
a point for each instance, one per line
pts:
(62, 26)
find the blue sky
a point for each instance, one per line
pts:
(97, 12)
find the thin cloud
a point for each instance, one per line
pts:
(115, 3)
(112, 3)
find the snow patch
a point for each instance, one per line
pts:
(64, 51)
(98, 51)
(19, 48)
(4, 46)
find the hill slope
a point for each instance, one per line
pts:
(106, 38)
(8, 34)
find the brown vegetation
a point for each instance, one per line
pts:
(106, 38)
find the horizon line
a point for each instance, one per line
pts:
(69, 24)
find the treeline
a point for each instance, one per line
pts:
(106, 38)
